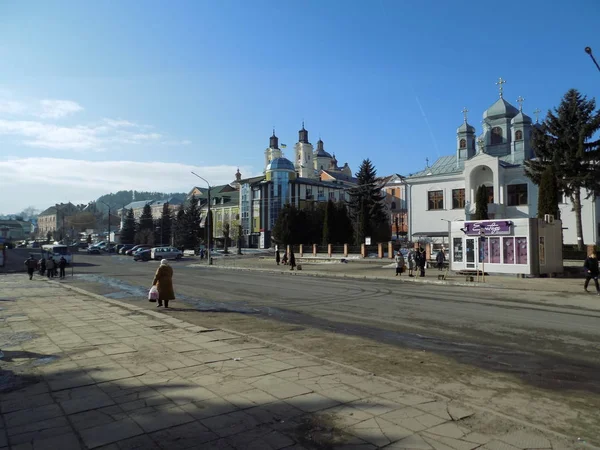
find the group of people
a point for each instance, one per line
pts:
(285, 261)
(416, 259)
(46, 266)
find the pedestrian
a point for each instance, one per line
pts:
(284, 260)
(277, 257)
(42, 266)
(292, 260)
(201, 253)
(411, 262)
(163, 280)
(50, 267)
(31, 265)
(399, 263)
(440, 258)
(422, 261)
(591, 267)
(62, 264)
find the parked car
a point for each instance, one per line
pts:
(22, 244)
(125, 248)
(142, 255)
(93, 250)
(83, 245)
(159, 253)
(118, 247)
(132, 250)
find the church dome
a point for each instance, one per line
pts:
(466, 128)
(281, 164)
(521, 118)
(320, 151)
(500, 109)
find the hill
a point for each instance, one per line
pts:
(121, 198)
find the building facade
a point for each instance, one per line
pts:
(313, 177)
(446, 191)
(394, 190)
(53, 218)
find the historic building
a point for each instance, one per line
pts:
(53, 218)
(394, 190)
(446, 190)
(313, 177)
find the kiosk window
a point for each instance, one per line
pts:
(457, 247)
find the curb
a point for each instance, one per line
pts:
(162, 316)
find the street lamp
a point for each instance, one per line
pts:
(207, 221)
(106, 204)
(588, 50)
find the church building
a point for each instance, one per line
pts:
(445, 191)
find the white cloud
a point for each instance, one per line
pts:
(42, 182)
(12, 107)
(55, 109)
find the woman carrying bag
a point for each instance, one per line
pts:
(163, 280)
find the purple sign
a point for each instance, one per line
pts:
(490, 228)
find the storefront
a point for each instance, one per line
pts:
(511, 246)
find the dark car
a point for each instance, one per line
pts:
(142, 255)
(125, 247)
(131, 251)
(83, 245)
(93, 251)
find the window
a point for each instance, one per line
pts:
(517, 194)
(457, 248)
(519, 135)
(435, 200)
(393, 206)
(496, 135)
(332, 196)
(490, 193)
(393, 192)
(463, 143)
(458, 198)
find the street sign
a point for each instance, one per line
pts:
(367, 241)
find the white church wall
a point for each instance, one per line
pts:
(589, 221)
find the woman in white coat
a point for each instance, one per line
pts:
(399, 263)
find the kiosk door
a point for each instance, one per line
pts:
(471, 251)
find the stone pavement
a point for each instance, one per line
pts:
(83, 372)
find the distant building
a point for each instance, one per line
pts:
(394, 189)
(15, 230)
(53, 218)
(156, 207)
(224, 206)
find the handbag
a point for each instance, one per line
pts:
(153, 294)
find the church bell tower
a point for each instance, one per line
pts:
(303, 161)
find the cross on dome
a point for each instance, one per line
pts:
(465, 111)
(537, 114)
(520, 101)
(500, 82)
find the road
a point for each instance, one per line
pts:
(502, 349)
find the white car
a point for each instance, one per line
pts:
(159, 253)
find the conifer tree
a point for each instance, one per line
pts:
(548, 195)
(128, 231)
(481, 203)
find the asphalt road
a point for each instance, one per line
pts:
(500, 330)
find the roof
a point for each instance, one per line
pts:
(500, 109)
(139, 204)
(52, 210)
(252, 180)
(313, 182)
(443, 166)
(466, 128)
(170, 201)
(521, 118)
(341, 176)
(281, 164)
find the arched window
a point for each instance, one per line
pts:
(519, 135)
(463, 143)
(496, 135)
(393, 205)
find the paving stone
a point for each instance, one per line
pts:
(438, 408)
(25, 402)
(67, 441)
(281, 389)
(111, 432)
(312, 402)
(90, 419)
(85, 401)
(189, 435)
(448, 429)
(37, 414)
(142, 442)
(458, 412)
(163, 418)
(414, 441)
(208, 408)
(526, 439)
(477, 438)
(39, 430)
(232, 423)
(378, 431)
(498, 445)
(445, 443)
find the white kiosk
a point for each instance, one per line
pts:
(513, 246)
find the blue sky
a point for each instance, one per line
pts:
(200, 84)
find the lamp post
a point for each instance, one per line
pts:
(588, 50)
(207, 221)
(107, 205)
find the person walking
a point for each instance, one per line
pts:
(62, 264)
(31, 265)
(163, 280)
(399, 263)
(42, 266)
(277, 256)
(292, 260)
(50, 267)
(592, 271)
(411, 262)
(439, 259)
(422, 261)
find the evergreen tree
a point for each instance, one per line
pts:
(179, 227)
(128, 231)
(146, 220)
(166, 224)
(283, 230)
(548, 195)
(566, 141)
(191, 229)
(366, 204)
(343, 225)
(481, 203)
(329, 223)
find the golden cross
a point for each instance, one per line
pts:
(465, 111)
(520, 101)
(500, 82)
(537, 113)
